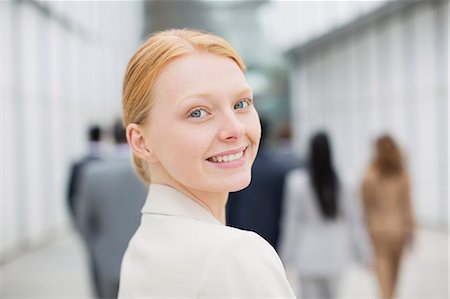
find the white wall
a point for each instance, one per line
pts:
(387, 76)
(61, 70)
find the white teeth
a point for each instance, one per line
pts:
(228, 158)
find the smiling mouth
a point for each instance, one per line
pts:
(227, 158)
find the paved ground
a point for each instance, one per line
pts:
(59, 271)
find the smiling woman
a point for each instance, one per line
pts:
(184, 132)
(194, 134)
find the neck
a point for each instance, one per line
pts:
(213, 202)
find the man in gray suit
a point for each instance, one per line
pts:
(111, 197)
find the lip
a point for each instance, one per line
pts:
(230, 152)
(231, 164)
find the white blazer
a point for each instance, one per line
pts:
(181, 251)
(312, 246)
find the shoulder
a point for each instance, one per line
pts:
(370, 175)
(110, 163)
(244, 240)
(404, 177)
(205, 260)
(225, 241)
(243, 264)
(112, 178)
(108, 167)
(297, 174)
(371, 172)
(297, 178)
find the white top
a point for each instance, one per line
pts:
(182, 251)
(312, 245)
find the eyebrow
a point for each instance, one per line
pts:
(198, 95)
(245, 90)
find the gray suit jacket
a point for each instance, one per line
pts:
(109, 204)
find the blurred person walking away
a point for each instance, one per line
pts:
(111, 197)
(388, 211)
(284, 151)
(94, 154)
(322, 230)
(258, 207)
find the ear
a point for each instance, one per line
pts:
(138, 145)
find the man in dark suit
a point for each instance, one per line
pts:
(258, 207)
(94, 154)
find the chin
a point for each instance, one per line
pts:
(240, 184)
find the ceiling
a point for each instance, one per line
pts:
(236, 21)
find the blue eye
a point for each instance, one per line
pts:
(241, 104)
(197, 113)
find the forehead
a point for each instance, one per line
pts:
(200, 73)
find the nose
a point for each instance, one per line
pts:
(232, 128)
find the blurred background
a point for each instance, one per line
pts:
(354, 68)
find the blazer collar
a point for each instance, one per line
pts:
(165, 200)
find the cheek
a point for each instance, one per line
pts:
(254, 127)
(182, 145)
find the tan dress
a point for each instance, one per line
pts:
(389, 216)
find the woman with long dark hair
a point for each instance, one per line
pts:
(323, 176)
(388, 211)
(321, 228)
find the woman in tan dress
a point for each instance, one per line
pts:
(388, 211)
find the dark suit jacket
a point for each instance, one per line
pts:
(74, 181)
(258, 207)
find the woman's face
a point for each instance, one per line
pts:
(203, 131)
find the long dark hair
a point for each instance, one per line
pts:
(323, 176)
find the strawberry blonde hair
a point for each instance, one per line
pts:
(148, 62)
